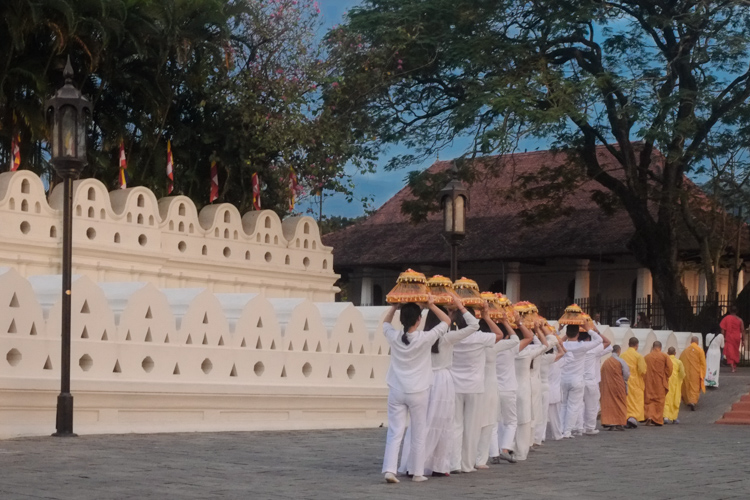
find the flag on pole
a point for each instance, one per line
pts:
(15, 148)
(123, 167)
(292, 188)
(214, 182)
(256, 192)
(170, 165)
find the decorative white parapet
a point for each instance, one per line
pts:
(146, 359)
(129, 235)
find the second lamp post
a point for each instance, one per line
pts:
(454, 200)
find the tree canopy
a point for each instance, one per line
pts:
(236, 81)
(662, 85)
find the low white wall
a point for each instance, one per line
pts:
(163, 360)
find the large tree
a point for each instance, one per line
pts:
(236, 81)
(649, 81)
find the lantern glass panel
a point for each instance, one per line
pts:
(459, 214)
(448, 214)
(68, 132)
(81, 133)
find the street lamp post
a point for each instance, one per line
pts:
(454, 200)
(67, 113)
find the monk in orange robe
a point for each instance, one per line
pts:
(614, 396)
(658, 371)
(694, 360)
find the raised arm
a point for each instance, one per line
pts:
(527, 335)
(389, 315)
(499, 334)
(472, 324)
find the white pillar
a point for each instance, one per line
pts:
(702, 285)
(582, 279)
(365, 295)
(513, 281)
(644, 284)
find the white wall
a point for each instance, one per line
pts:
(129, 235)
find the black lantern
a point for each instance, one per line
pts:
(68, 113)
(454, 200)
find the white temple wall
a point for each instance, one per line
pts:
(129, 235)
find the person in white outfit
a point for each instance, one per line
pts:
(441, 407)
(489, 414)
(507, 387)
(554, 417)
(524, 394)
(713, 358)
(546, 361)
(409, 377)
(468, 377)
(591, 377)
(571, 380)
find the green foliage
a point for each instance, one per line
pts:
(240, 82)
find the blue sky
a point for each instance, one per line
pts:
(381, 185)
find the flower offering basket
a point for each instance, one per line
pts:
(439, 286)
(468, 291)
(573, 315)
(411, 286)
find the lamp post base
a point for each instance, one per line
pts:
(65, 416)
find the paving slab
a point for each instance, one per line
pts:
(695, 459)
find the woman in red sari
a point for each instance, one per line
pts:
(732, 327)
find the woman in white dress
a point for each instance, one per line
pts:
(713, 359)
(441, 406)
(524, 396)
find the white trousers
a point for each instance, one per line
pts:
(399, 405)
(572, 403)
(466, 431)
(540, 422)
(590, 406)
(554, 424)
(485, 443)
(494, 448)
(523, 440)
(507, 423)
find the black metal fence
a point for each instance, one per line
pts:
(703, 314)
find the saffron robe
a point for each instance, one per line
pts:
(635, 384)
(613, 395)
(694, 360)
(672, 404)
(658, 372)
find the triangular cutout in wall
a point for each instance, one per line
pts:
(117, 368)
(205, 339)
(338, 348)
(127, 337)
(260, 323)
(176, 370)
(243, 344)
(330, 375)
(319, 348)
(233, 373)
(189, 339)
(304, 347)
(273, 345)
(14, 301)
(148, 313)
(48, 364)
(283, 371)
(372, 373)
(148, 336)
(12, 327)
(259, 344)
(33, 329)
(166, 339)
(380, 350)
(85, 309)
(84, 333)
(205, 318)
(291, 348)
(362, 350)
(306, 327)
(221, 340)
(351, 348)
(351, 328)
(104, 335)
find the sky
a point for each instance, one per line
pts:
(381, 185)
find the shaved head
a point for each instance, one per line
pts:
(656, 346)
(616, 349)
(633, 342)
(671, 351)
(694, 340)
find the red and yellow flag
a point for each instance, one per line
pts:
(123, 177)
(214, 182)
(256, 192)
(170, 166)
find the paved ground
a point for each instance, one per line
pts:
(696, 459)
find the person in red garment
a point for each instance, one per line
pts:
(732, 327)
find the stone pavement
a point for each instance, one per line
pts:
(695, 459)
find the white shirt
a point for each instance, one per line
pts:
(555, 372)
(443, 359)
(592, 364)
(468, 362)
(411, 369)
(505, 368)
(574, 365)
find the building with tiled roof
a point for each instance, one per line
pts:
(581, 254)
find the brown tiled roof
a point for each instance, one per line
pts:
(495, 230)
